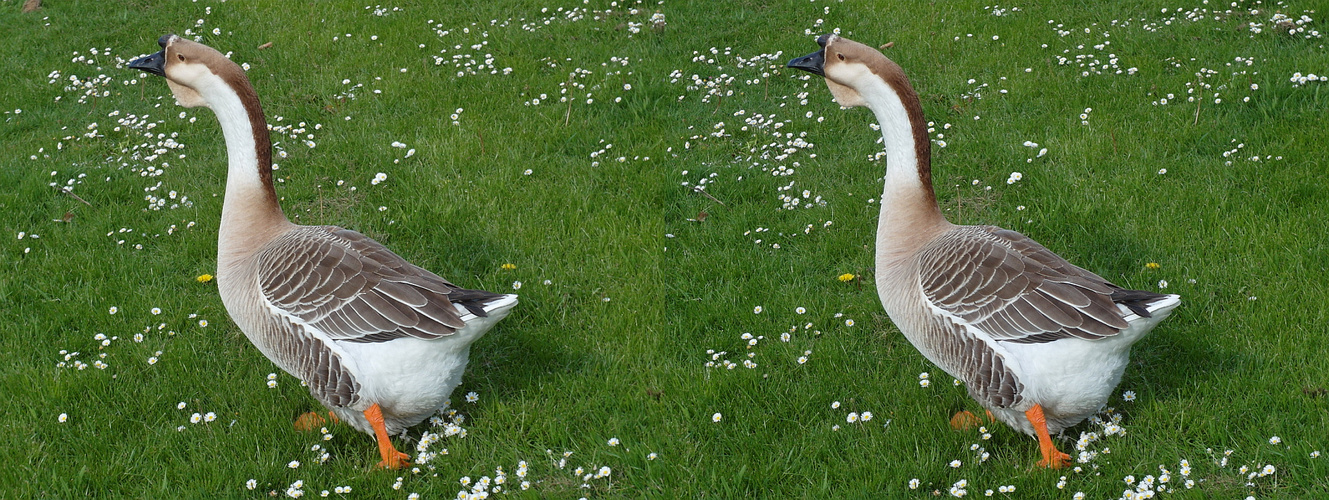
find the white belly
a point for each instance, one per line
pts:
(408, 378)
(412, 378)
(1073, 378)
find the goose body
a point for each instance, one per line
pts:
(1038, 341)
(379, 341)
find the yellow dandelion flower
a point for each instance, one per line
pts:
(1152, 265)
(508, 267)
(204, 278)
(846, 277)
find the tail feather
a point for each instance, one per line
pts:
(475, 301)
(1143, 303)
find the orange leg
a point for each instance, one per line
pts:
(1052, 458)
(392, 459)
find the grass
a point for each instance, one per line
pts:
(645, 275)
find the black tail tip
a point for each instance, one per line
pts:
(1136, 300)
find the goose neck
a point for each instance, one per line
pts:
(250, 210)
(909, 213)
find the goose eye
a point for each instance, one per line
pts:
(841, 56)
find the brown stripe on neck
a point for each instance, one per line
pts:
(262, 142)
(894, 76)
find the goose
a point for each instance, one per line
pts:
(379, 341)
(1037, 341)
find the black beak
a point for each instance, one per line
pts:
(811, 63)
(156, 63)
(815, 62)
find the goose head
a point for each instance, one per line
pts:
(200, 76)
(850, 68)
(191, 69)
(859, 75)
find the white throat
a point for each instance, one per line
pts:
(909, 215)
(897, 135)
(241, 149)
(248, 211)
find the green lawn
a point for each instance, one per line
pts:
(638, 294)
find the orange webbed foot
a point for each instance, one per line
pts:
(312, 420)
(1056, 461)
(395, 460)
(1052, 457)
(308, 422)
(392, 459)
(964, 420)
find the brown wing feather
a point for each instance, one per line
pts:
(970, 359)
(1014, 289)
(308, 358)
(352, 288)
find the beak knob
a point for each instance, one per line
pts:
(156, 63)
